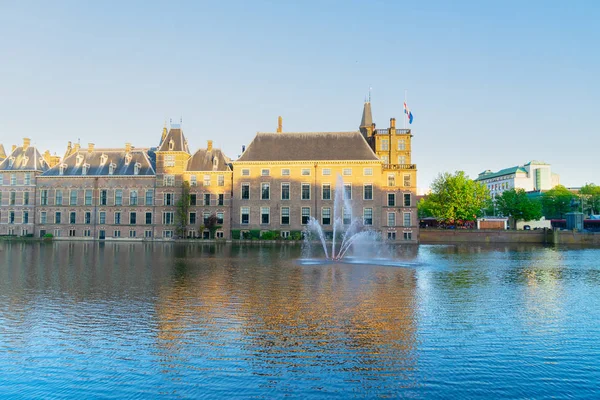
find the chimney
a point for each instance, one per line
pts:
(209, 145)
(393, 123)
(14, 147)
(127, 147)
(90, 147)
(68, 145)
(279, 124)
(77, 147)
(26, 143)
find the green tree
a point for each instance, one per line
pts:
(515, 203)
(590, 194)
(182, 209)
(557, 201)
(456, 197)
(424, 208)
(211, 224)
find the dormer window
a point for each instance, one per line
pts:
(127, 158)
(103, 159)
(171, 144)
(215, 163)
(25, 160)
(11, 161)
(136, 168)
(61, 169)
(111, 168)
(84, 169)
(79, 159)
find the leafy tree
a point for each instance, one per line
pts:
(424, 208)
(182, 208)
(557, 201)
(456, 197)
(515, 203)
(591, 198)
(210, 223)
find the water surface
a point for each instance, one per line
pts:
(87, 320)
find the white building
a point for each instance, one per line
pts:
(533, 176)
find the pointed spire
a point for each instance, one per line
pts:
(367, 117)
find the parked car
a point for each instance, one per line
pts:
(526, 227)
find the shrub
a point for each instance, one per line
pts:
(48, 235)
(270, 235)
(235, 234)
(296, 235)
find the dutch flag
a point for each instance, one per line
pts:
(408, 113)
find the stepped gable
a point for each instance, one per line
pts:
(97, 162)
(24, 158)
(314, 146)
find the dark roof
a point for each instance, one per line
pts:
(73, 164)
(326, 146)
(204, 160)
(367, 117)
(507, 171)
(179, 142)
(29, 159)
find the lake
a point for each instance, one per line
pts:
(122, 320)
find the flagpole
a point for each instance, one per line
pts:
(406, 116)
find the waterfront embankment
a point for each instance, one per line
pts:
(451, 236)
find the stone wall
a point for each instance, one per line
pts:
(483, 236)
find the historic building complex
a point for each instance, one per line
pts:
(280, 181)
(535, 176)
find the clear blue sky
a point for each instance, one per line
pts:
(491, 85)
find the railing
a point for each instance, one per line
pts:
(400, 166)
(387, 131)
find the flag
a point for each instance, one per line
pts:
(408, 113)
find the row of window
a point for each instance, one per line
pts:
(305, 188)
(168, 217)
(13, 179)
(384, 144)
(111, 167)
(169, 180)
(307, 172)
(117, 233)
(12, 198)
(386, 159)
(326, 218)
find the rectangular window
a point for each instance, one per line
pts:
(264, 215)
(170, 160)
(401, 144)
(385, 144)
(245, 191)
(265, 193)
(245, 215)
(88, 218)
(132, 218)
(305, 215)
(25, 217)
(169, 199)
(401, 160)
(385, 160)
(220, 180)
(391, 220)
(192, 218)
(326, 216)
(406, 180)
(391, 199)
(169, 180)
(87, 233)
(57, 217)
(132, 234)
(347, 191)
(306, 191)
(305, 171)
(13, 198)
(11, 218)
(368, 171)
(368, 216)
(149, 197)
(148, 218)
(118, 197)
(167, 234)
(346, 216)
(406, 199)
(44, 197)
(193, 180)
(326, 191)
(43, 217)
(27, 180)
(117, 234)
(25, 198)
(133, 198)
(220, 217)
(391, 235)
(147, 234)
(368, 192)
(88, 197)
(193, 199)
(102, 217)
(406, 219)
(117, 218)
(285, 172)
(13, 179)
(206, 180)
(207, 199)
(71, 232)
(407, 235)
(103, 197)
(285, 215)
(347, 171)
(245, 172)
(221, 199)
(1, 179)
(205, 217)
(265, 172)
(168, 218)
(58, 198)
(326, 171)
(391, 180)
(73, 198)
(285, 191)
